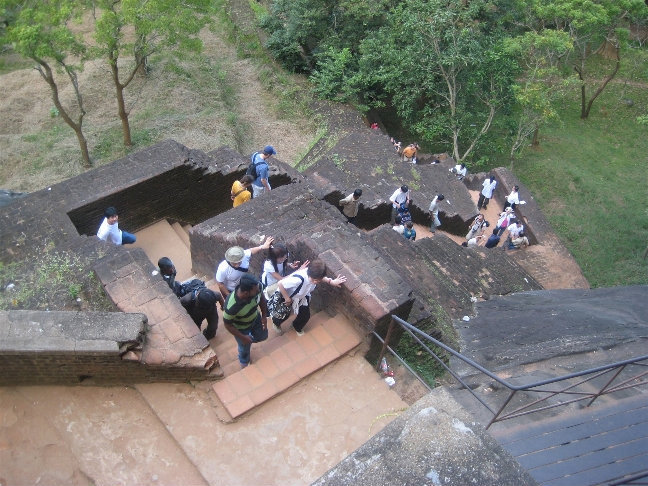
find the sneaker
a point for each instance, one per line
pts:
(277, 329)
(244, 365)
(299, 333)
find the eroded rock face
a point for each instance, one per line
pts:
(7, 197)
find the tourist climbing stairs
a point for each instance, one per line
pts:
(277, 363)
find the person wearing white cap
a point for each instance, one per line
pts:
(235, 265)
(261, 184)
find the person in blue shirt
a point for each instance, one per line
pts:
(261, 183)
(493, 240)
(409, 232)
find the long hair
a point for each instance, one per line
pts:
(276, 251)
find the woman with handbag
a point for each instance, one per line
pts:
(295, 290)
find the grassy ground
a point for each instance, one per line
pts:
(590, 177)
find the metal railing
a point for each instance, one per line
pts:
(552, 388)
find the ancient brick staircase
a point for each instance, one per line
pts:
(277, 363)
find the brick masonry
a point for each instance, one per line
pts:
(170, 181)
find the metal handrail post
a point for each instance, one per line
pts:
(600, 392)
(385, 343)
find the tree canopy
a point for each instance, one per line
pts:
(39, 30)
(451, 68)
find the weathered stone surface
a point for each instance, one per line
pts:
(435, 442)
(529, 327)
(365, 159)
(75, 326)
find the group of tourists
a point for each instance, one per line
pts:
(247, 301)
(401, 219)
(506, 221)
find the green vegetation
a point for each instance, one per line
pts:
(52, 281)
(590, 179)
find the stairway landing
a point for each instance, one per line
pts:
(280, 361)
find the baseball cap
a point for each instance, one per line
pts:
(269, 150)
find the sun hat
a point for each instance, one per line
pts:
(235, 254)
(269, 150)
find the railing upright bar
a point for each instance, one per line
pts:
(385, 343)
(612, 378)
(402, 361)
(501, 409)
(622, 385)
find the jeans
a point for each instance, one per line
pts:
(435, 222)
(483, 201)
(258, 190)
(257, 333)
(394, 212)
(128, 238)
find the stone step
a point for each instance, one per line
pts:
(88, 435)
(159, 240)
(280, 361)
(182, 232)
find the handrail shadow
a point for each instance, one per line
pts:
(613, 370)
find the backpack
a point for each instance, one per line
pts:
(277, 307)
(193, 285)
(252, 168)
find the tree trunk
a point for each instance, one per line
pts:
(601, 88)
(608, 50)
(46, 72)
(535, 142)
(83, 144)
(121, 104)
(141, 59)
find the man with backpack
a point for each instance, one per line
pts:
(259, 170)
(168, 272)
(200, 304)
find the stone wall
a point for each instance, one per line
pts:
(357, 157)
(39, 347)
(299, 216)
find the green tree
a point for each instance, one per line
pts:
(169, 25)
(591, 24)
(301, 30)
(442, 68)
(39, 30)
(540, 84)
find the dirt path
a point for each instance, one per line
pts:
(38, 149)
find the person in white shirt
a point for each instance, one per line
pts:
(513, 198)
(515, 228)
(488, 187)
(434, 212)
(109, 229)
(235, 265)
(400, 196)
(275, 268)
(399, 227)
(460, 171)
(296, 290)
